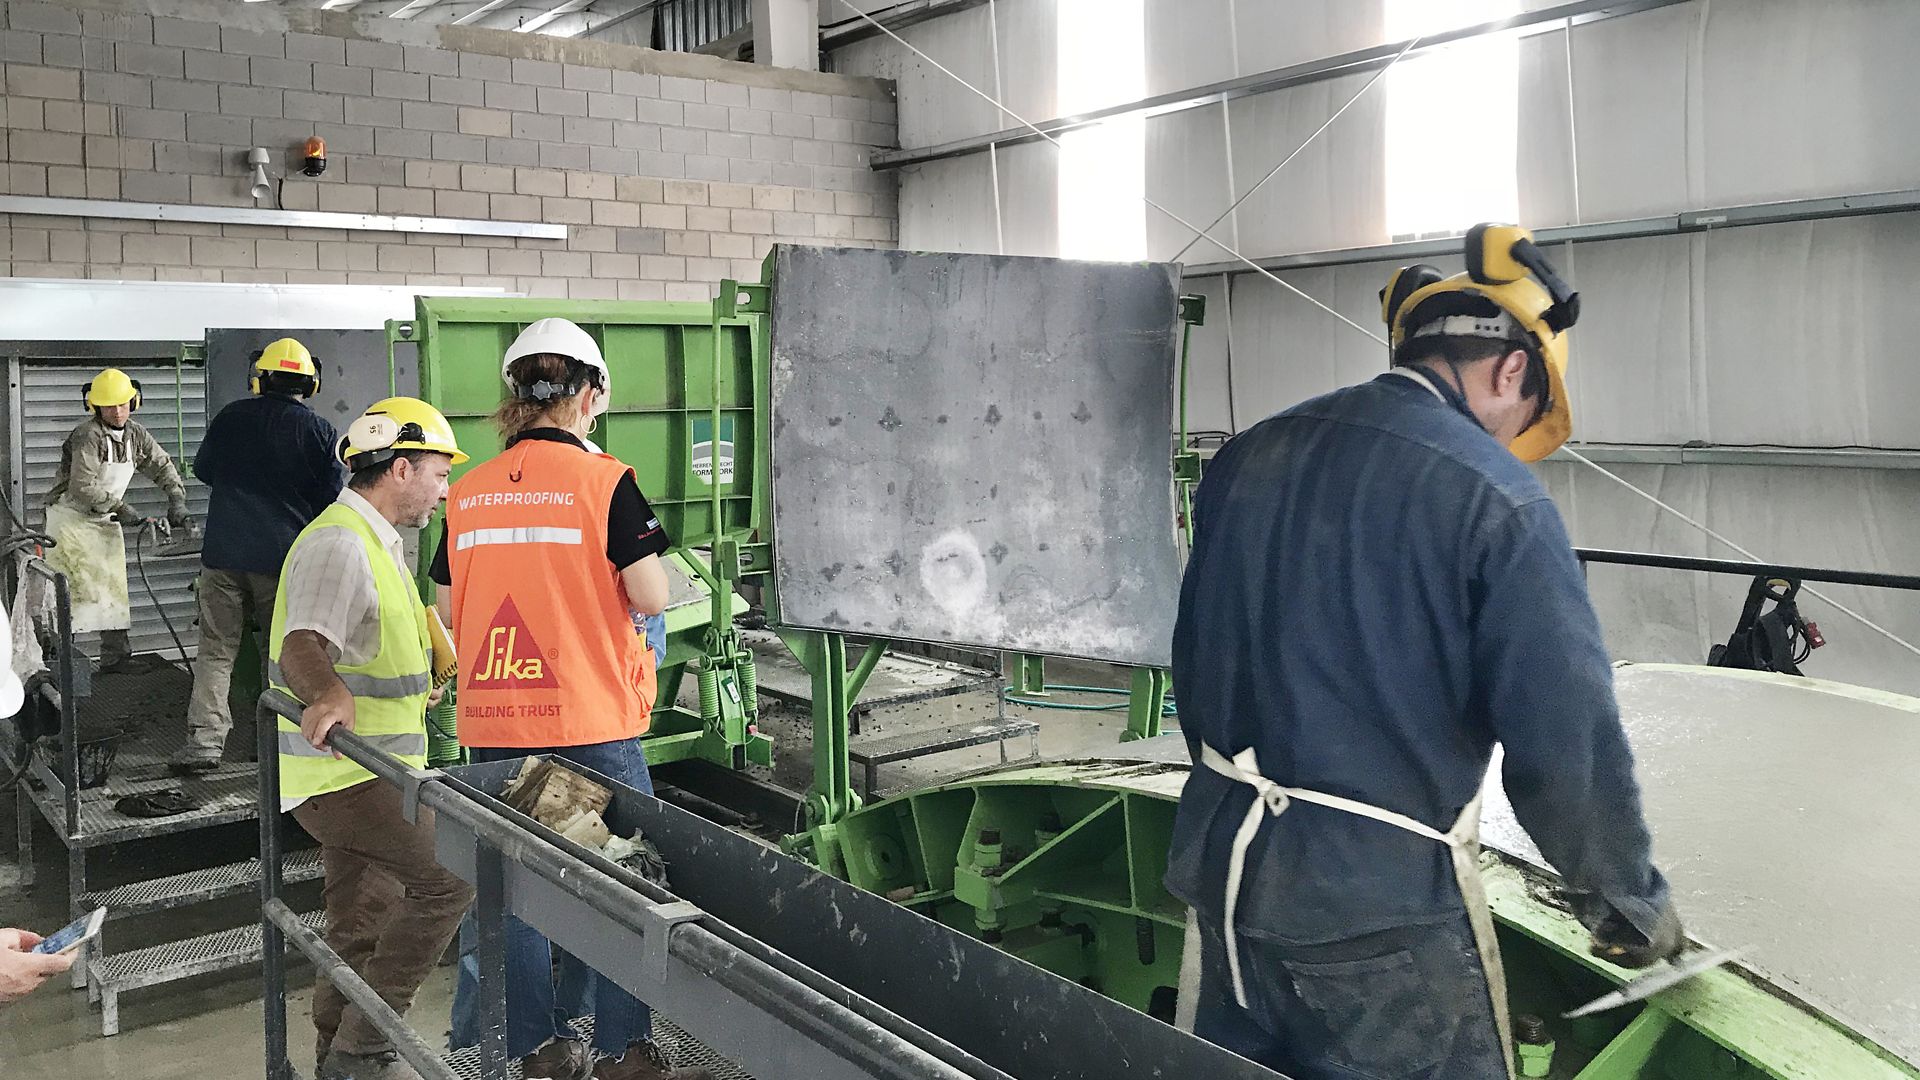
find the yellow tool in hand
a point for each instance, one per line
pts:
(445, 663)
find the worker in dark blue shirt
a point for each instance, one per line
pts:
(269, 462)
(1379, 592)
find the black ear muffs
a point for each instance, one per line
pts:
(312, 383)
(1404, 283)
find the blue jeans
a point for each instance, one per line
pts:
(1403, 1004)
(536, 1009)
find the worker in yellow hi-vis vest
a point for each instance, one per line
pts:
(352, 641)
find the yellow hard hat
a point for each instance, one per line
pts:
(112, 387)
(395, 424)
(1509, 292)
(285, 359)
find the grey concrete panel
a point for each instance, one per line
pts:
(1783, 812)
(976, 450)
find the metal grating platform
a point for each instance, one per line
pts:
(682, 1050)
(152, 706)
(172, 961)
(195, 886)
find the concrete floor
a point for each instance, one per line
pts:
(211, 1027)
(206, 1027)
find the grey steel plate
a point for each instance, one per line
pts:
(353, 368)
(1785, 813)
(898, 679)
(976, 450)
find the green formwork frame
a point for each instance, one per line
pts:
(682, 372)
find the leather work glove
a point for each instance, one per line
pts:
(125, 514)
(1618, 941)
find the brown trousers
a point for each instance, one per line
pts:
(226, 598)
(391, 909)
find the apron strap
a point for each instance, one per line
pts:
(1419, 377)
(1461, 841)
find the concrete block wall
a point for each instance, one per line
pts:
(670, 171)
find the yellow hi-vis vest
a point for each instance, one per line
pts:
(389, 691)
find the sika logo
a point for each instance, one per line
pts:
(510, 658)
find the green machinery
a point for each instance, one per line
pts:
(689, 414)
(681, 373)
(1061, 865)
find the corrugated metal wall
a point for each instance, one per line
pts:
(1791, 335)
(49, 407)
(686, 25)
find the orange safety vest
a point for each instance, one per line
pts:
(549, 653)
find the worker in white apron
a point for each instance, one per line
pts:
(1379, 592)
(87, 510)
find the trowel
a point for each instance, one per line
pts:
(177, 543)
(1645, 986)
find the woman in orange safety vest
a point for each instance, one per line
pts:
(549, 551)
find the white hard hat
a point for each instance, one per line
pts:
(564, 338)
(11, 692)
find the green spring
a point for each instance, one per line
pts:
(709, 694)
(749, 683)
(443, 738)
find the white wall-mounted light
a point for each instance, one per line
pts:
(261, 184)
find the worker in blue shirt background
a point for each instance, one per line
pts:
(269, 463)
(1379, 592)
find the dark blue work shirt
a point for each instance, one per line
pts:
(1378, 593)
(269, 463)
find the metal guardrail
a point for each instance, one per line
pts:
(1741, 568)
(777, 1011)
(62, 695)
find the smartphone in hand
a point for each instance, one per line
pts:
(74, 934)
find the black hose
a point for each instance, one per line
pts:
(139, 560)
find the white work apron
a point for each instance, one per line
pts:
(92, 552)
(1462, 842)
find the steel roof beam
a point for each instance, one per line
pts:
(1687, 221)
(1358, 62)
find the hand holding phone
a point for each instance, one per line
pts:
(22, 969)
(74, 934)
